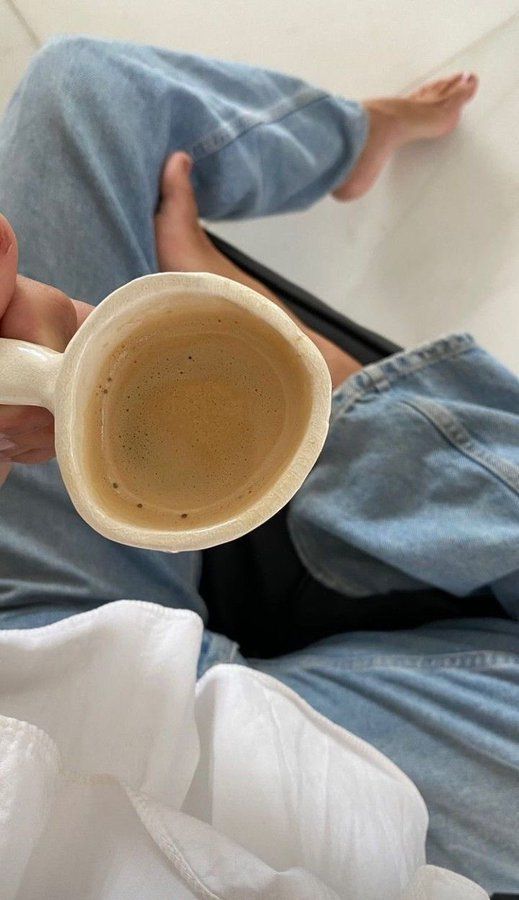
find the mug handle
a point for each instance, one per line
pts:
(28, 373)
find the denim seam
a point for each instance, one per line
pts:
(432, 354)
(456, 433)
(153, 822)
(318, 572)
(336, 583)
(355, 390)
(231, 131)
(471, 660)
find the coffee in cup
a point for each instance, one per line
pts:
(193, 417)
(188, 410)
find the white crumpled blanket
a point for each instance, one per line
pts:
(121, 777)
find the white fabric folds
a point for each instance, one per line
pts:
(122, 778)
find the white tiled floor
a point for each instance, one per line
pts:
(17, 45)
(433, 247)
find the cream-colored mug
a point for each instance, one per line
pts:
(63, 383)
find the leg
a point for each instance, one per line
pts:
(431, 112)
(418, 482)
(408, 443)
(183, 246)
(82, 146)
(85, 138)
(441, 702)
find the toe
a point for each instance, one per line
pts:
(439, 87)
(472, 82)
(463, 89)
(175, 175)
(449, 83)
(180, 239)
(442, 89)
(178, 201)
(433, 90)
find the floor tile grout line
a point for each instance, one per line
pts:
(417, 82)
(24, 23)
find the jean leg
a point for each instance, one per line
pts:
(81, 150)
(418, 482)
(441, 701)
(85, 137)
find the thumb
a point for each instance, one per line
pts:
(8, 263)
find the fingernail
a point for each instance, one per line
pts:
(6, 444)
(466, 76)
(188, 165)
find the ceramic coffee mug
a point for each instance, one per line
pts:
(63, 383)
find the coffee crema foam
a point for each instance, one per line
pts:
(193, 417)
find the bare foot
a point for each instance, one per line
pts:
(183, 246)
(430, 112)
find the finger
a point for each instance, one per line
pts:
(83, 310)
(34, 456)
(15, 420)
(8, 269)
(41, 439)
(5, 468)
(8, 263)
(40, 314)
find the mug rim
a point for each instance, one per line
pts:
(121, 304)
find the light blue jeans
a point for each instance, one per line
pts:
(418, 482)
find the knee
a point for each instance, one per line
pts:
(69, 53)
(63, 76)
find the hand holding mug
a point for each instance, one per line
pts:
(188, 409)
(35, 312)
